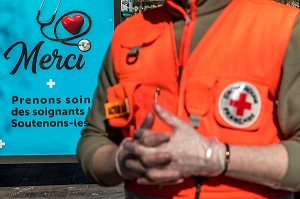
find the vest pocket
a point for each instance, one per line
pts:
(119, 108)
(143, 99)
(199, 95)
(129, 102)
(133, 52)
(240, 104)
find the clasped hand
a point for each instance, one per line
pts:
(168, 158)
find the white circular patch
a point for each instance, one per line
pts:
(84, 45)
(240, 104)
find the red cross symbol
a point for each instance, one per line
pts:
(241, 104)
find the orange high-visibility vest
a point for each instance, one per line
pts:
(227, 88)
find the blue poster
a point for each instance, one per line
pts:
(50, 56)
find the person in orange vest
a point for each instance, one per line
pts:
(199, 99)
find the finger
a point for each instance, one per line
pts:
(156, 159)
(151, 139)
(138, 150)
(158, 176)
(168, 117)
(122, 151)
(135, 167)
(146, 124)
(148, 121)
(138, 133)
(125, 140)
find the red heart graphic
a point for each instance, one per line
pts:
(72, 24)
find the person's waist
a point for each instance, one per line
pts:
(217, 187)
(131, 195)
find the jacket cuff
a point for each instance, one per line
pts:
(291, 179)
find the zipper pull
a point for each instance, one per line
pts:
(188, 18)
(156, 94)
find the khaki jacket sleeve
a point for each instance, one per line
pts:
(97, 132)
(289, 107)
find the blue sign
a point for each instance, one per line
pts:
(50, 56)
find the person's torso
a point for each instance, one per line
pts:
(227, 87)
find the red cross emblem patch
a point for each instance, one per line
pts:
(240, 104)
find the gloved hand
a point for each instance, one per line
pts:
(126, 164)
(130, 165)
(192, 154)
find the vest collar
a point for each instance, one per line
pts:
(197, 8)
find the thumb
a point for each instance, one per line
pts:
(148, 121)
(146, 124)
(169, 118)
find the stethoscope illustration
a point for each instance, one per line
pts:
(83, 45)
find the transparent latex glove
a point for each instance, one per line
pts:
(130, 165)
(192, 154)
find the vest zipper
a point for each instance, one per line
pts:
(188, 18)
(186, 38)
(185, 44)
